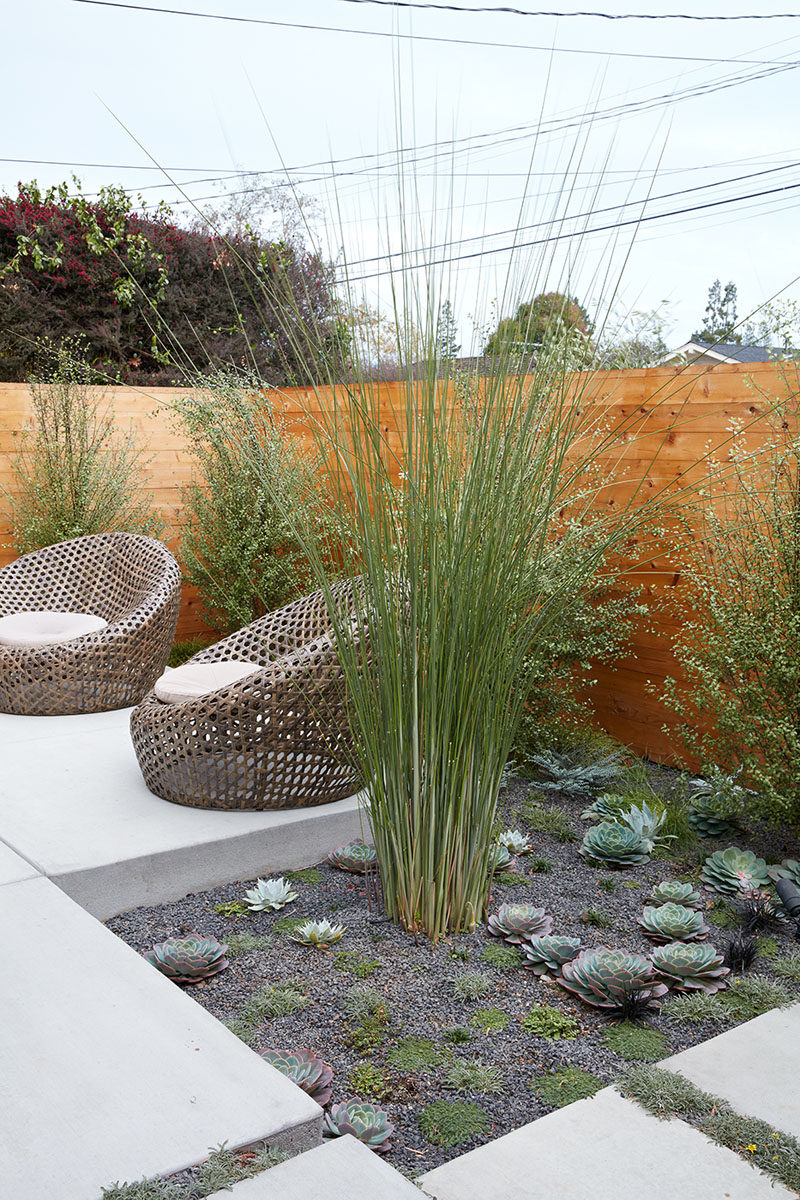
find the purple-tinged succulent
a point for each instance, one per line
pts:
(672, 891)
(367, 1122)
(355, 856)
(516, 922)
(188, 959)
(500, 858)
(733, 871)
(673, 923)
(615, 980)
(689, 967)
(546, 955)
(304, 1068)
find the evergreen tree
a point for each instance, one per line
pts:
(446, 332)
(719, 324)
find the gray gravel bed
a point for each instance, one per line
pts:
(416, 981)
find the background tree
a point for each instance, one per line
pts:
(635, 341)
(447, 332)
(719, 323)
(549, 317)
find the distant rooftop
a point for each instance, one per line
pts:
(727, 352)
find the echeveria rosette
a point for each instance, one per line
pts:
(355, 856)
(500, 857)
(733, 871)
(788, 869)
(706, 820)
(516, 922)
(367, 1122)
(611, 844)
(305, 1068)
(674, 892)
(188, 959)
(690, 967)
(546, 955)
(616, 981)
(673, 923)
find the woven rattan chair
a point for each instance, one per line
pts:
(275, 739)
(132, 582)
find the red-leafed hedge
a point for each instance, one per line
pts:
(153, 301)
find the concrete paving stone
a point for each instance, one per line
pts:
(341, 1169)
(756, 1067)
(109, 1071)
(13, 867)
(606, 1148)
(73, 801)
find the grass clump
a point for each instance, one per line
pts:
(368, 1081)
(246, 943)
(502, 956)
(547, 1022)
(768, 947)
(607, 884)
(755, 994)
(539, 866)
(418, 1054)
(508, 879)
(354, 964)
(232, 908)
(368, 1034)
(219, 1172)
(788, 966)
(308, 876)
(181, 652)
(696, 1009)
(490, 1019)
(471, 985)
(724, 914)
(596, 917)
(286, 926)
(144, 1189)
(473, 1075)
(769, 1150)
(362, 1001)
(666, 1094)
(277, 1001)
(553, 821)
(458, 1034)
(450, 1123)
(565, 1086)
(636, 1043)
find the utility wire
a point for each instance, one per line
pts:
(413, 37)
(522, 12)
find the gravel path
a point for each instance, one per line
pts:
(416, 983)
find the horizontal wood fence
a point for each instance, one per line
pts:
(672, 419)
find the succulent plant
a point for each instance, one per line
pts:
(565, 774)
(705, 818)
(269, 895)
(371, 1125)
(355, 856)
(514, 841)
(500, 858)
(614, 980)
(606, 807)
(319, 934)
(645, 824)
(610, 844)
(688, 967)
(673, 923)
(676, 892)
(546, 955)
(733, 871)
(188, 959)
(788, 869)
(516, 922)
(304, 1068)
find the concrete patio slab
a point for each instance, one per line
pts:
(74, 804)
(605, 1148)
(13, 868)
(756, 1067)
(342, 1169)
(110, 1071)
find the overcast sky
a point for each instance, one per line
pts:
(498, 137)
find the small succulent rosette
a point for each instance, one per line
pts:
(516, 922)
(616, 981)
(690, 967)
(367, 1122)
(673, 923)
(355, 856)
(545, 955)
(188, 959)
(318, 934)
(672, 891)
(612, 844)
(305, 1068)
(269, 895)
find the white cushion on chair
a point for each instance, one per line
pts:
(27, 630)
(200, 679)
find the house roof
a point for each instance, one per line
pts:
(728, 352)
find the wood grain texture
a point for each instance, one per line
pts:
(668, 420)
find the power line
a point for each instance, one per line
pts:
(414, 37)
(522, 12)
(558, 237)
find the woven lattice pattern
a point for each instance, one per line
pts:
(132, 582)
(276, 739)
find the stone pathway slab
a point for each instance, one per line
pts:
(756, 1067)
(342, 1169)
(73, 801)
(14, 868)
(606, 1148)
(109, 1071)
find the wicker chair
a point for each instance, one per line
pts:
(275, 739)
(132, 582)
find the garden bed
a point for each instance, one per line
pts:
(398, 1021)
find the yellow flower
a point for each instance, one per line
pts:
(751, 1148)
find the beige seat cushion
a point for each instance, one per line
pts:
(200, 679)
(27, 630)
